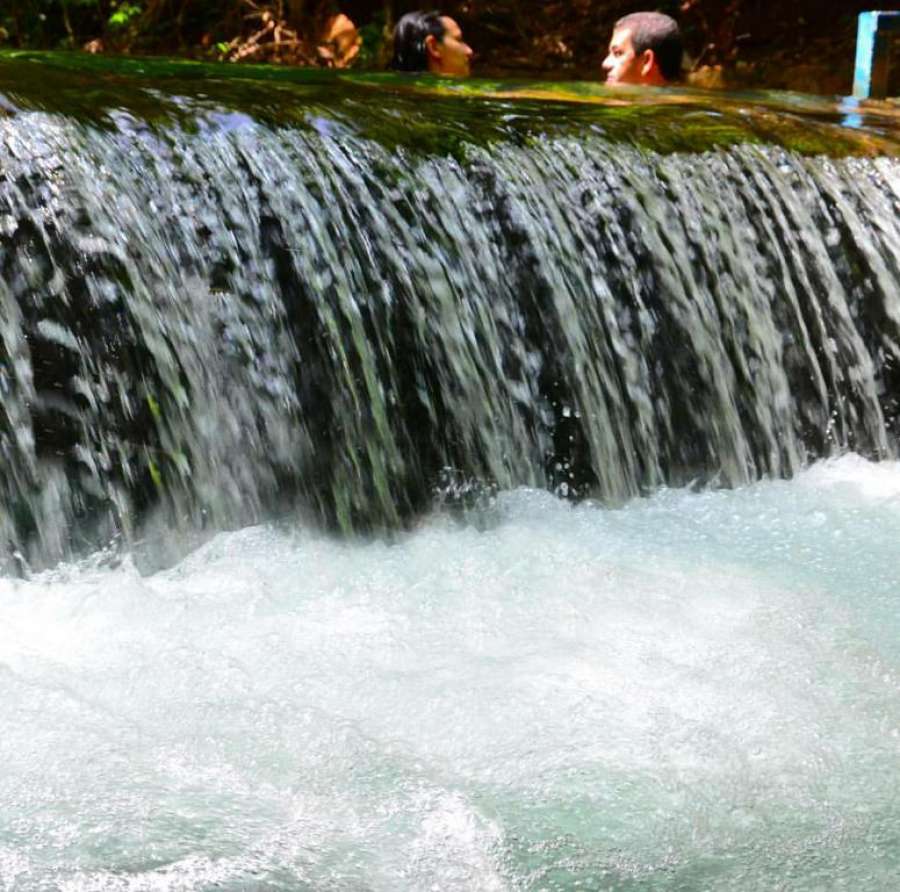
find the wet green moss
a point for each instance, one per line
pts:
(425, 114)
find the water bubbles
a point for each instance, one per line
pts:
(467, 709)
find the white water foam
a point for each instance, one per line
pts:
(696, 691)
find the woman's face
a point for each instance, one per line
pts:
(451, 55)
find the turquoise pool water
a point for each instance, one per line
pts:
(696, 691)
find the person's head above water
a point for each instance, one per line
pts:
(645, 49)
(429, 41)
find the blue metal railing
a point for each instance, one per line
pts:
(873, 53)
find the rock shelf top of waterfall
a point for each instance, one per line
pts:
(431, 115)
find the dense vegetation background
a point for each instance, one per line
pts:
(802, 44)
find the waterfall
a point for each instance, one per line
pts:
(220, 306)
(572, 362)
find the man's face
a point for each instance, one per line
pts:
(623, 65)
(451, 55)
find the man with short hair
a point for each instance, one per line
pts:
(645, 49)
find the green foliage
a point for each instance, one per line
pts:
(373, 51)
(122, 14)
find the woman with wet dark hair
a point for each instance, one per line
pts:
(429, 41)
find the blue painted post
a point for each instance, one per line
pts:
(873, 53)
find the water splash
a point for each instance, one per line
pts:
(697, 690)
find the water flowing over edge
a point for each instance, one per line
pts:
(213, 323)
